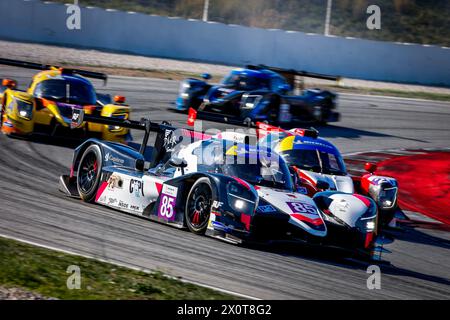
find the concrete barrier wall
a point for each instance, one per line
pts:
(41, 22)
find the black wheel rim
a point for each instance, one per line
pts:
(88, 172)
(199, 206)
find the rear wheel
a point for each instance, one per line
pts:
(89, 172)
(198, 206)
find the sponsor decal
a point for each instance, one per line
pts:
(114, 181)
(170, 140)
(166, 209)
(302, 190)
(216, 204)
(112, 201)
(343, 206)
(110, 157)
(266, 209)
(135, 208)
(77, 116)
(136, 188)
(123, 205)
(303, 208)
(220, 226)
(376, 180)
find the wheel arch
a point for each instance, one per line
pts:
(78, 154)
(189, 181)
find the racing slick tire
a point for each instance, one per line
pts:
(89, 172)
(198, 206)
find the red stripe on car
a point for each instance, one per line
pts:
(245, 219)
(363, 199)
(242, 182)
(316, 222)
(100, 190)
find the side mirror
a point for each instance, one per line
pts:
(206, 76)
(370, 167)
(119, 99)
(178, 163)
(322, 185)
(9, 83)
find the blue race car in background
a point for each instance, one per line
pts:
(259, 94)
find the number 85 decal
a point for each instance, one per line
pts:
(166, 207)
(300, 207)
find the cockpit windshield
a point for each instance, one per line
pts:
(67, 91)
(315, 160)
(260, 169)
(245, 83)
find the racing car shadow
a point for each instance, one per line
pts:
(333, 131)
(335, 257)
(411, 233)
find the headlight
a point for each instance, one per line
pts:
(25, 109)
(121, 116)
(184, 88)
(387, 197)
(240, 198)
(368, 221)
(385, 194)
(239, 204)
(370, 225)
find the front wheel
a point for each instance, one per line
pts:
(198, 206)
(89, 172)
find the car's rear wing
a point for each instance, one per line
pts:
(167, 135)
(39, 66)
(291, 74)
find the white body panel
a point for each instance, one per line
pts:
(347, 207)
(130, 193)
(280, 199)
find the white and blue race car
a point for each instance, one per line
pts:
(212, 185)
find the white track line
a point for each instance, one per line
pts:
(125, 265)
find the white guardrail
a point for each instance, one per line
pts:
(45, 22)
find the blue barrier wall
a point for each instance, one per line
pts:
(36, 21)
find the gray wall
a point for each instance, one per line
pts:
(235, 45)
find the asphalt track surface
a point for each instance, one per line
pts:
(32, 209)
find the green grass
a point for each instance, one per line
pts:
(44, 271)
